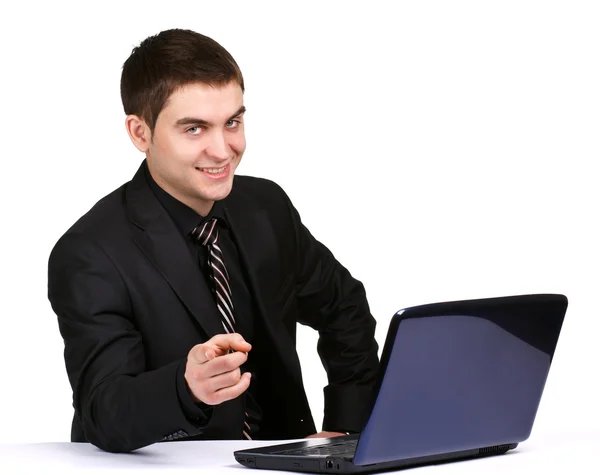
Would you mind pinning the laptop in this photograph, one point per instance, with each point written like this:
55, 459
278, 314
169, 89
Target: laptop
457, 380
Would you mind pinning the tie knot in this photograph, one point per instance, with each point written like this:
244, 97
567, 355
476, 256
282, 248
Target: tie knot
206, 233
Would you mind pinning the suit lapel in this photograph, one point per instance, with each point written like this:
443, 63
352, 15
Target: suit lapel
256, 243
163, 245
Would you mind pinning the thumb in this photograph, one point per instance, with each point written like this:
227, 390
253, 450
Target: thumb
230, 341
202, 353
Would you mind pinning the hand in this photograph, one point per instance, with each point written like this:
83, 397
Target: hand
325, 434
212, 371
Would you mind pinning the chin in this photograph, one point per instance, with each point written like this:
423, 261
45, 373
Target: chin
220, 194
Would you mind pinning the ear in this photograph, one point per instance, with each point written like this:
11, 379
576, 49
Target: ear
139, 132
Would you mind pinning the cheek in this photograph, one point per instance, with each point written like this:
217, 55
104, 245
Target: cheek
176, 149
238, 143
162, 146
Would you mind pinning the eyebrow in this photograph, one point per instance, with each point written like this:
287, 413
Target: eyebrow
198, 121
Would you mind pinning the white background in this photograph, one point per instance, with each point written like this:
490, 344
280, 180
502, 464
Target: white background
441, 150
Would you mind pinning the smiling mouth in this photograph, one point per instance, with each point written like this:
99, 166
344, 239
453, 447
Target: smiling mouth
213, 171
216, 174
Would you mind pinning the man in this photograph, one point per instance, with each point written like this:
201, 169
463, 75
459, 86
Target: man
178, 294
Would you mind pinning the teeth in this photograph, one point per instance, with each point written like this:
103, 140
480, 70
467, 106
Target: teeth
213, 170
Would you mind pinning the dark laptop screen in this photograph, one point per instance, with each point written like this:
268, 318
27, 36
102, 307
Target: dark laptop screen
457, 381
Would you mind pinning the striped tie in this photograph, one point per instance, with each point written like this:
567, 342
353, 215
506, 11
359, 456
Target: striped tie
207, 234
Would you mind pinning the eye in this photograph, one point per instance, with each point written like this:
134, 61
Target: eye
194, 130
232, 124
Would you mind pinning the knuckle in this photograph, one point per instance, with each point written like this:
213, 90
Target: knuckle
234, 376
236, 361
200, 393
208, 394
197, 348
207, 399
196, 374
228, 363
189, 375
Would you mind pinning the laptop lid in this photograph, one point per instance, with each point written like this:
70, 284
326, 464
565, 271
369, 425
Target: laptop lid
461, 375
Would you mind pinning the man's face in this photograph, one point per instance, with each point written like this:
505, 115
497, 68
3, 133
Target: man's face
197, 144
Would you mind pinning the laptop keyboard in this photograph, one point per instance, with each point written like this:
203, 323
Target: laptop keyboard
344, 448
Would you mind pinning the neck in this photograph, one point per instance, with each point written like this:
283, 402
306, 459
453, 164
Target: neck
200, 206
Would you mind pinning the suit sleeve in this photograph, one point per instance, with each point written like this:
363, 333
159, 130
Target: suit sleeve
334, 303
121, 405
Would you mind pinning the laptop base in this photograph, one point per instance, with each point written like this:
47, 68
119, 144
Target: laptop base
271, 458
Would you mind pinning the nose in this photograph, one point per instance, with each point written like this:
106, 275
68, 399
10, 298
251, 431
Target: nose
218, 148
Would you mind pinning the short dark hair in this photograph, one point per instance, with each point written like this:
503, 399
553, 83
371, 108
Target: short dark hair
170, 60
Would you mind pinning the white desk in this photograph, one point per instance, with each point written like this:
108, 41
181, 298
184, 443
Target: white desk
547, 453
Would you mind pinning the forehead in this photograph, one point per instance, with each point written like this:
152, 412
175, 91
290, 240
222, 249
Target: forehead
211, 103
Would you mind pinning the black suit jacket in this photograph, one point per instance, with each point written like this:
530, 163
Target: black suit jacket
131, 302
